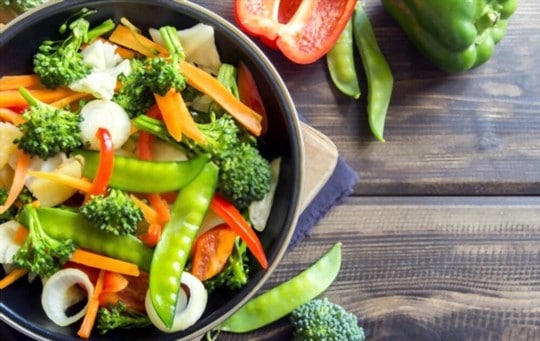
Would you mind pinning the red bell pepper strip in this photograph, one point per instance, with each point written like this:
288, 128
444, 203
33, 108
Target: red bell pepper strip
106, 160
230, 214
304, 31
211, 251
250, 95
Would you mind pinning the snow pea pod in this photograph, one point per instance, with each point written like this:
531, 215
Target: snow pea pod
341, 66
141, 176
284, 298
64, 224
380, 80
172, 251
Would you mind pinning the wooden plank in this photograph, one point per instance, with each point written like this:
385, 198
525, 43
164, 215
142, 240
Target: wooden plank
423, 270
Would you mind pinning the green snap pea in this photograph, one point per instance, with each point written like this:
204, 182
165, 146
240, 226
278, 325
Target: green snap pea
380, 80
284, 298
172, 251
135, 175
341, 66
64, 224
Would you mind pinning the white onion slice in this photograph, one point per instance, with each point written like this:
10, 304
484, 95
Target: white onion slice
61, 291
189, 307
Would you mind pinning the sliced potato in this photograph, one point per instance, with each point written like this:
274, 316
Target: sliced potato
50, 193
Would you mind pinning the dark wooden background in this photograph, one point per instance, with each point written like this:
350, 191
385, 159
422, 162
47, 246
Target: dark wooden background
441, 237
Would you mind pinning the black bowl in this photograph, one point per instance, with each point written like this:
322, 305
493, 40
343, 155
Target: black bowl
20, 303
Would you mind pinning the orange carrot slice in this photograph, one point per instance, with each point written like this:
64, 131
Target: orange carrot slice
125, 37
21, 170
13, 82
96, 260
93, 305
11, 277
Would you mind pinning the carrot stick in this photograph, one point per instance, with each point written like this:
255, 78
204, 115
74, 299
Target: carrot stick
20, 235
150, 215
208, 84
160, 206
96, 260
81, 184
170, 110
13, 82
13, 98
21, 170
93, 305
11, 277
189, 128
125, 37
62, 102
8, 115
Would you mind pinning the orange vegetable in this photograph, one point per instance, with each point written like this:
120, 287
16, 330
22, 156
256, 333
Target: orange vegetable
149, 214
126, 37
20, 235
81, 184
13, 82
11, 277
21, 170
208, 84
63, 102
96, 260
13, 98
211, 251
93, 305
170, 109
8, 115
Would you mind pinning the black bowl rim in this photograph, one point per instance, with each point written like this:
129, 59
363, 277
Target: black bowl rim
51, 7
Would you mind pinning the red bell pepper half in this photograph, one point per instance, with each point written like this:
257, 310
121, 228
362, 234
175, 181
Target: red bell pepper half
106, 160
303, 31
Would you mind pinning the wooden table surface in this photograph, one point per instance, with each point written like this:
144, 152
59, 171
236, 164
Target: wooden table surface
441, 236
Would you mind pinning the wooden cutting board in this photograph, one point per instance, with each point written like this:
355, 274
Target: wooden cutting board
321, 157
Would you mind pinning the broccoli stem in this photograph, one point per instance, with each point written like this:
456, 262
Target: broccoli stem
172, 44
31, 100
100, 30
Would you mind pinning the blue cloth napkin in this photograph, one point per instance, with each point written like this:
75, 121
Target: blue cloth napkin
339, 185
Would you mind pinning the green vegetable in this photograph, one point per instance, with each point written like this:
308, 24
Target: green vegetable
42, 253
454, 35
25, 197
119, 316
244, 173
321, 319
114, 213
135, 175
172, 251
135, 95
380, 80
20, 6
151, 76
235, 274
283, 299
340, 61
227, 76
63, 224
47, 130
60, 62
164, 74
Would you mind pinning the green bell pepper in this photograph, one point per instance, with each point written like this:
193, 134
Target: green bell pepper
455, 35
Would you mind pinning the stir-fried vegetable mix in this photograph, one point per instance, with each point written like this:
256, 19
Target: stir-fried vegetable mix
129, 168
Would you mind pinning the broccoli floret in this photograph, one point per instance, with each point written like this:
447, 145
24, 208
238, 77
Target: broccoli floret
236, 272
40, 253
244, 174
115, 212
321, 319
135, 96
119, 316
156, 75
20, 6
60, 62
47, 130
25, 197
